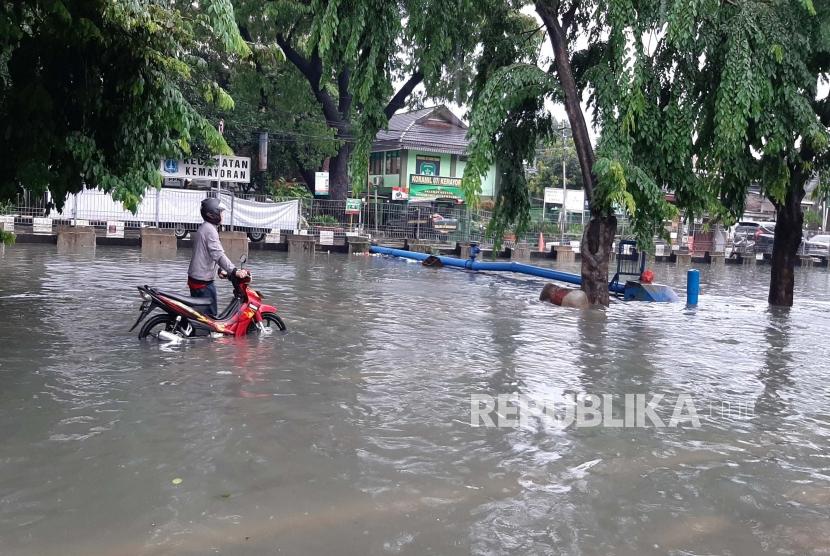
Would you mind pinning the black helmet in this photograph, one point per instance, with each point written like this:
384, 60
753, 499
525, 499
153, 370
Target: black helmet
212, 210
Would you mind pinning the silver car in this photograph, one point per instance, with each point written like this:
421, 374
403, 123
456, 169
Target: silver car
817, 246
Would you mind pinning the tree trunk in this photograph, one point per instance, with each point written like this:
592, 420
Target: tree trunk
598, 236
595, 250
788, 224
339, 173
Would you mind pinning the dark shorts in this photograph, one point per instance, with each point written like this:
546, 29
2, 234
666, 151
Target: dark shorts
209, 291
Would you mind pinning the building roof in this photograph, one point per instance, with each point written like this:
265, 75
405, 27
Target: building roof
434, 129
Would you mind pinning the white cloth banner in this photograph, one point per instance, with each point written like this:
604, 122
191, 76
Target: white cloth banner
179, 206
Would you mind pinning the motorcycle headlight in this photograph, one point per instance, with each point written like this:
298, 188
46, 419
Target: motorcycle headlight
145, 296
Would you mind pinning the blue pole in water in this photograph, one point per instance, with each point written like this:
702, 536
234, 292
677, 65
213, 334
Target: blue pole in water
692, 286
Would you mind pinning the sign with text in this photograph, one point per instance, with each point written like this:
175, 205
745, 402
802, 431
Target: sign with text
353, 206
428, 165
115, 229
235, 169
41, 225
575, 199
326, 237
435, 187
321, 183
7, 223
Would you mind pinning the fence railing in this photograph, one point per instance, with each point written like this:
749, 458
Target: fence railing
259, 214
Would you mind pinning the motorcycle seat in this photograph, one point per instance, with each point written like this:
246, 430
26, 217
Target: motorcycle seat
195, 302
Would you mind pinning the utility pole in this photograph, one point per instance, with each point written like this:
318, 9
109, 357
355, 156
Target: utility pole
564, 213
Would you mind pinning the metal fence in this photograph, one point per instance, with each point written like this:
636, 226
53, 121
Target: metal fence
258, 214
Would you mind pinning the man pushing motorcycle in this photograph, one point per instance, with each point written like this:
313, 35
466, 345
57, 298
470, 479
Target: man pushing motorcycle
208, 254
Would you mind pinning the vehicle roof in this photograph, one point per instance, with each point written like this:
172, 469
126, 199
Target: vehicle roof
755, 223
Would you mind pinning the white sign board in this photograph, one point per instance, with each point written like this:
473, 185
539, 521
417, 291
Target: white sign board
235, 169
575, 199
321, 183
78, 222
115, 229
326, 237
273, 237
41, 225
7, 223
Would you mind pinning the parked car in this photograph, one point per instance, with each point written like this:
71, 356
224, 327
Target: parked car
817, 246
434, 220
753, 237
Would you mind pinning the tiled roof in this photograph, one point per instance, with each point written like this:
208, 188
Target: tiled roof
431, 129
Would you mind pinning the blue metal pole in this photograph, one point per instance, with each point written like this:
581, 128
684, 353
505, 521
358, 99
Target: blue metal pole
692, 286
471, 264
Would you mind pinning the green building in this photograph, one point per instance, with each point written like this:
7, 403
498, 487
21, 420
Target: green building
421, 157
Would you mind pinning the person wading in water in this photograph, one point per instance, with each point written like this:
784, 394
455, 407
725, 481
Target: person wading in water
208, 254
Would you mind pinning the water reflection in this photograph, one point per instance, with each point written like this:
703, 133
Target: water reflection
351, 434
776, 372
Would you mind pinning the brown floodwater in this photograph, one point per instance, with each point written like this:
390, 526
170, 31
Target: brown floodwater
351, 433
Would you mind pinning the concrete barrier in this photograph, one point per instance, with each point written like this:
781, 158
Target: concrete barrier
357, 244
301, 245
684, 259
76, 239
235, 244
158, 243
565, 254
521, 252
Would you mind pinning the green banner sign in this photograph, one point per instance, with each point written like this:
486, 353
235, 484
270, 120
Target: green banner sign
434, 187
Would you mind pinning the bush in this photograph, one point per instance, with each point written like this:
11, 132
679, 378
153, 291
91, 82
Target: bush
292, 190
325, 220
6, 238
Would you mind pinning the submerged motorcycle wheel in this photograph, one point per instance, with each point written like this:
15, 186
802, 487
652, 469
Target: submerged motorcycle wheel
271, 321
156, 324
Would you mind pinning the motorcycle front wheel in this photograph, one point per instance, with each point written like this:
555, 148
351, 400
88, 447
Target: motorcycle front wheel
156, 324
271, 321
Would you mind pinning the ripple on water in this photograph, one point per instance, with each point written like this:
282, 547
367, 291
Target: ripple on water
352, 433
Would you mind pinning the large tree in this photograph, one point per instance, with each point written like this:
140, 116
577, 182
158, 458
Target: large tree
270, 96
352, 54
760, 120
599, 49
90, 91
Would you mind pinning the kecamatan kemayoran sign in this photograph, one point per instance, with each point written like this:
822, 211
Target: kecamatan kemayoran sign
223, 168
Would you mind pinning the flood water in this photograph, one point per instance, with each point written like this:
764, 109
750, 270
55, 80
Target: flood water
351, 433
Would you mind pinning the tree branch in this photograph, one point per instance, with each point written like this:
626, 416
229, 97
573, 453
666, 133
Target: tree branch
312, 70
399, 100
345, 97
569, 15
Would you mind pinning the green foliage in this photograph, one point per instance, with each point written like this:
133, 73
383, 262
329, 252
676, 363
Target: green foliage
630, 170
547, 171
91, 91
352, 53
325, 220
765, 124
507, 123
282, 189
812, 219
7, 238
268, 95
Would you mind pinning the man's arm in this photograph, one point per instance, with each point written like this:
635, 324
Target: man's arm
216, 252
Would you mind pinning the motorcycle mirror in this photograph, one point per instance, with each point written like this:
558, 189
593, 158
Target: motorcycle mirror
242, 260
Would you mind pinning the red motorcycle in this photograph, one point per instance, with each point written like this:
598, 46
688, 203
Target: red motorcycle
184, 317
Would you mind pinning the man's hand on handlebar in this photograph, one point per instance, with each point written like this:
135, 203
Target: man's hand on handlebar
241, 273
